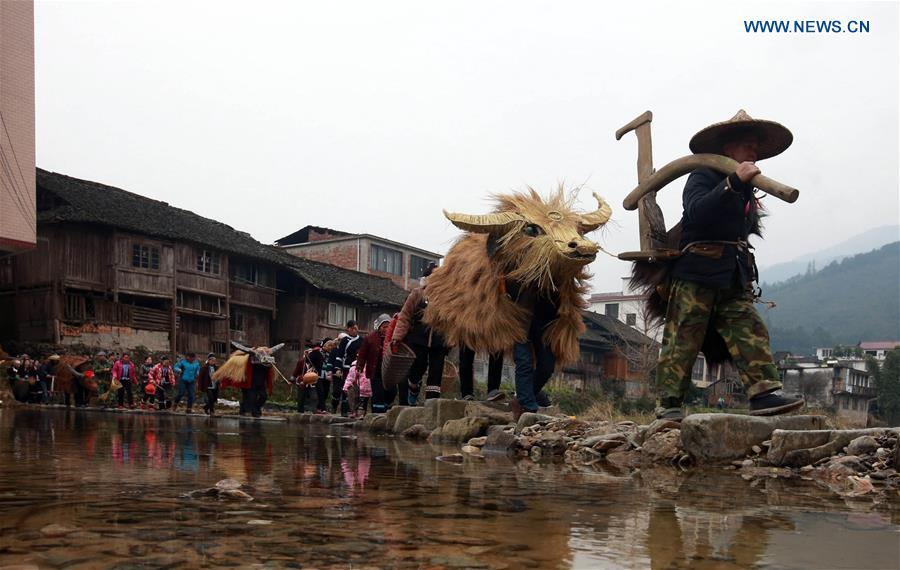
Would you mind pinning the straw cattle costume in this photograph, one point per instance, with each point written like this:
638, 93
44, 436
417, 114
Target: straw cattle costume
516, 280
708, 296
252, 371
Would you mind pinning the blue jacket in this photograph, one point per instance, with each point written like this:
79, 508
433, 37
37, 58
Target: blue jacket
189, 370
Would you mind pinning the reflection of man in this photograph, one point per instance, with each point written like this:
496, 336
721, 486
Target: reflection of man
711, 292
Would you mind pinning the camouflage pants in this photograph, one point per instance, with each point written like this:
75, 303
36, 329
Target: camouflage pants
692, 308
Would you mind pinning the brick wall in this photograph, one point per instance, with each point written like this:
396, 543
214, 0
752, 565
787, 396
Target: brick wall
17, 194
342, 254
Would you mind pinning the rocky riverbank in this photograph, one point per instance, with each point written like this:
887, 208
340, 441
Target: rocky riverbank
851, 463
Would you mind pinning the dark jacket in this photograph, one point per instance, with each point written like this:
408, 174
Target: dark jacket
368, 359
205, 380
716, 209
543, 306
349, 347
410, 329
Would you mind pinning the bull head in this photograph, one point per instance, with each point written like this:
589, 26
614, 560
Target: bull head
260, 354
538, 240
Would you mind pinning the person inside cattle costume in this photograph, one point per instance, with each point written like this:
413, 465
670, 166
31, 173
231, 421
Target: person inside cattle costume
710, 292
253, 371
516, 282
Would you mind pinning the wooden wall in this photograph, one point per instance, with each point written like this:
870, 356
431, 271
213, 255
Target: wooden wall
191, 279
136, 280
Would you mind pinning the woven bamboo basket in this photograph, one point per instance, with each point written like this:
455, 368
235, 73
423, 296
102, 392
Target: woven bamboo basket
395, 365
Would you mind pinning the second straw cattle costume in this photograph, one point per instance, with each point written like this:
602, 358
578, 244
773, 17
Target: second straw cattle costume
710, 294
252, 370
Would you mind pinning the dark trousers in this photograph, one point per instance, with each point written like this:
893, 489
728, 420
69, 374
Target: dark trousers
212, 396
306, 394
185, 388
125, 390
254, 400
163, 397
381, 398
467, 372
432, 359
337, 396
323, 390
43, 391
535, 363
81, 395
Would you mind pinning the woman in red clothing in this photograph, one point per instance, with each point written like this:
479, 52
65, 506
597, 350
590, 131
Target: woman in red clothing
368, 360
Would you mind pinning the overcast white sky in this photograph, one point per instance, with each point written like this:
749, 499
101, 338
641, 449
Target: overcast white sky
372, 116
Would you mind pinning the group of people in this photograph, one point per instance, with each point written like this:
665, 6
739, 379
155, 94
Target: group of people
347, 370
159, 384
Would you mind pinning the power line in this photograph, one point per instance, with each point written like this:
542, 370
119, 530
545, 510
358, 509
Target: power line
15, 193
20, 196
16, 158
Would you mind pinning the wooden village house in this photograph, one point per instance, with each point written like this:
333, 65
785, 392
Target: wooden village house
114, 269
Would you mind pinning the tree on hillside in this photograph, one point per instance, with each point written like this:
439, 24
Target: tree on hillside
840, 351
887, 386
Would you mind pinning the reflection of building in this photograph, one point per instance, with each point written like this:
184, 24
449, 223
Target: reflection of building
401, 263
17, 208
118, 270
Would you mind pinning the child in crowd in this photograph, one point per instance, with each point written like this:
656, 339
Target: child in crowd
357, 390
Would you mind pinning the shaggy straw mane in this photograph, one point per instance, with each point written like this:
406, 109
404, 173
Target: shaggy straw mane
467, 301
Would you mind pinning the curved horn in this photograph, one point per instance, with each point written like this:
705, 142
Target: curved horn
592, 221
241, 347
497, 223
679, 167
276, 348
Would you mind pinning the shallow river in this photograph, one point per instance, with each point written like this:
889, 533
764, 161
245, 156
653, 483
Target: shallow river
332, 498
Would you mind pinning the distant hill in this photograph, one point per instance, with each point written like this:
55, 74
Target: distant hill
866, 241
845, 302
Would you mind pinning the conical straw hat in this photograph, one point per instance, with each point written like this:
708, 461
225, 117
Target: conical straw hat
774, 138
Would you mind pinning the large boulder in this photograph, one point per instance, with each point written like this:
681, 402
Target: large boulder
417, 431
529, 419
463, 429
662, 446
374, 423
500, 438
444, 409
722, 437
494, 415
410, 416
391, 416
798, 448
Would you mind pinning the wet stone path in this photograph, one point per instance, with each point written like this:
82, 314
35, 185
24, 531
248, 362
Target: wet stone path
81, 490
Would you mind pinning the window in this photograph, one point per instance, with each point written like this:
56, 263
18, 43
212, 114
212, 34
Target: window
845, 403
386, 260
236, 320
612, 310
208, 262
631, 319
246, 272
338, 315
418, 265
144, 256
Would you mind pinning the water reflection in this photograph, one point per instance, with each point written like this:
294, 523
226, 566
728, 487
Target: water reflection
339, 499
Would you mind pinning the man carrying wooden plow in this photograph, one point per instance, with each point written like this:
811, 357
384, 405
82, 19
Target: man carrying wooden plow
700, 274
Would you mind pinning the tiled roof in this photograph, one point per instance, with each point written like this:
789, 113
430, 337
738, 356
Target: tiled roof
66, 199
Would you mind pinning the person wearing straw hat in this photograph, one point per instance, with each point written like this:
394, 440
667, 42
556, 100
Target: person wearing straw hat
711, 291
